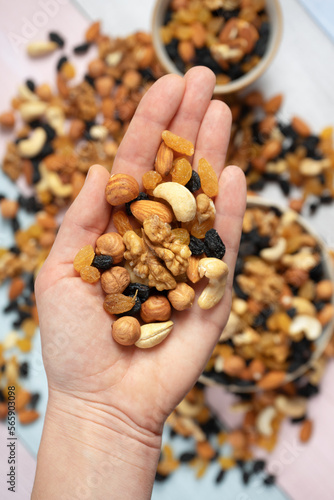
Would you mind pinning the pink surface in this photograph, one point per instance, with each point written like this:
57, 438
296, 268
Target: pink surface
305, 472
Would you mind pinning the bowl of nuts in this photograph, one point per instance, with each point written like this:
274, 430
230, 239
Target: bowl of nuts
282, 308
236, 39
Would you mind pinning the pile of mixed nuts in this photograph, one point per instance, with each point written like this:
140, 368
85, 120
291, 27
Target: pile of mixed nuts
162, 254
228, 36
83, 124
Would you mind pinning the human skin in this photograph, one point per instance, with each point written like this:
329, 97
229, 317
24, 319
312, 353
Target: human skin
108, 403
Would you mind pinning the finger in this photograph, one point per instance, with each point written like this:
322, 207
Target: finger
139, 146
85, 220
200, 82
199, 329
214, 136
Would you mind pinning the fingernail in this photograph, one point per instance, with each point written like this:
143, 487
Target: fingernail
88, 174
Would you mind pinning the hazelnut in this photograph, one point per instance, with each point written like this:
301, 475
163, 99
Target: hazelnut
111, 244
233, 365
155, 308
96, 68
9, 208
115, 280
104, 85
126, 330
324, 290
121, 188
182, 297
7, 119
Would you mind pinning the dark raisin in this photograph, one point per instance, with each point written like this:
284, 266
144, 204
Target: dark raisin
284, 185
2, 397
269, 480
61, 62
160, 477
102, 262
258, 466
31, 85
187, 456
246, 477
326, 198
308, 390
220, 476
147, 74
240, 463
214, 247
317, 272
196, 246
235, 71
143, 291
15, 224
82, 48
15, 249
24, 369
291, 312
195, 183
298, 420
55, 37
141, 196
90, 80
258, 185
12, 306
34, 400
239, 293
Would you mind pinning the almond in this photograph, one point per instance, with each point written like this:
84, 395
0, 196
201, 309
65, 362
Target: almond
144, 208
27, 416
7, 119
273, 105
272, 380
9, 208
77, 128
205, 450
192, 269
93, 32
306, 431
16, 288
271, 149
121, 188
300, 127
186, 50
164, 160
22, 399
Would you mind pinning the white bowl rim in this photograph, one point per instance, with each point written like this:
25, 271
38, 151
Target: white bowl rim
245, 80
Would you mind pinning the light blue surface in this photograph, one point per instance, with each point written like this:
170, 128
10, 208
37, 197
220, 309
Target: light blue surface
322, 11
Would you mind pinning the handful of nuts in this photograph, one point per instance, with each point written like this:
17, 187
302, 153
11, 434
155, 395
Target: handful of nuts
165, 240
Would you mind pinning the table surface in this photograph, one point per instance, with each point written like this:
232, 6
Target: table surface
302, 71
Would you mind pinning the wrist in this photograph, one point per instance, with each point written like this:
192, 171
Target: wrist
94, 451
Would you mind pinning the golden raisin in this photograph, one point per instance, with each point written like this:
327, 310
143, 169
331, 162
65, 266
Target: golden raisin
121, 222
83, 258
199, 229
90, 274
209, 179
181, 171
181, 235
117, 303
151, 179
177, 143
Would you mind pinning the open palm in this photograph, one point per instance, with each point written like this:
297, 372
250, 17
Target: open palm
81, 358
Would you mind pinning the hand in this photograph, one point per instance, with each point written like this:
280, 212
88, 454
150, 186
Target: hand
126, 389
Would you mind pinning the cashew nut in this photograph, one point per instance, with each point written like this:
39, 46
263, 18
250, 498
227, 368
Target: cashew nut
273, 254
248, 336
239, 306
216, 271
310, 167
55, 117
99, 132
41, 48
180, 199
291, 407
233, 325
113, 58
26, 94
32, 110
264, 421
302, 260
153, 334
187, 409
51, 180
33, 145
277, 167
303, 306
311, 327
